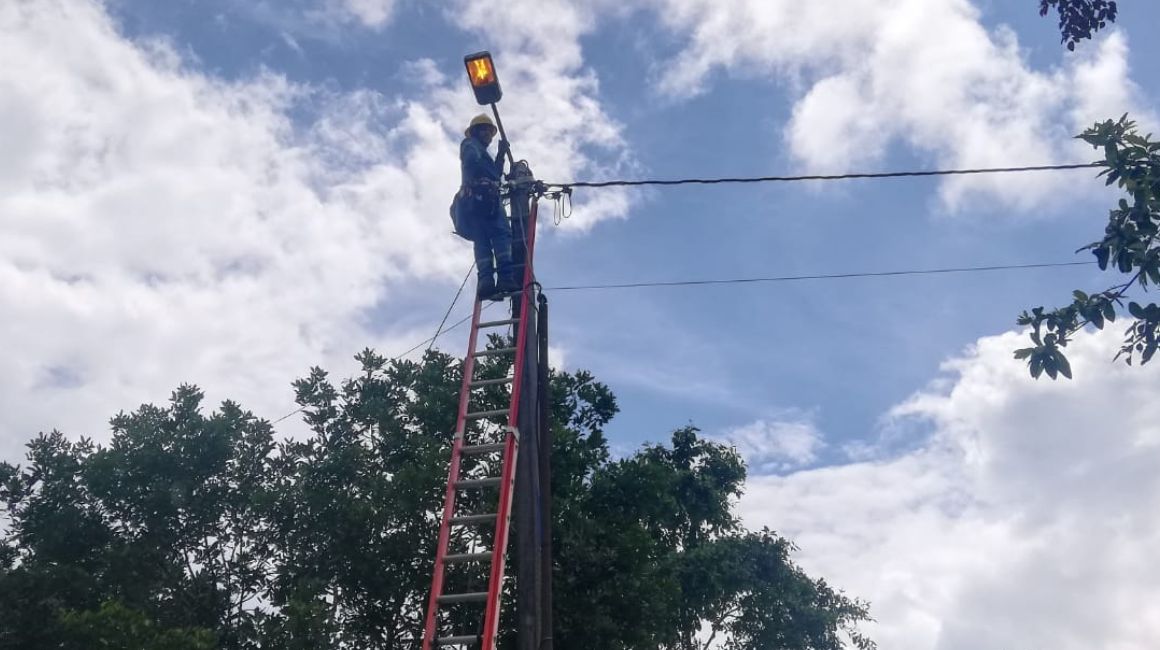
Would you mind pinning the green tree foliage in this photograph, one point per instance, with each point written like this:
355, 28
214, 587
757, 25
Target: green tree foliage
190, 531
1079, 19
1129, 246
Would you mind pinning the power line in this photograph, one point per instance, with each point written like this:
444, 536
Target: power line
825, 177
781, 278
828, 276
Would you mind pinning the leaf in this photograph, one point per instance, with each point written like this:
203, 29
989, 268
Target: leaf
1101, 257
1135, 310
1023, 353
1109, 312
1064, 364
1036, 367
1149, 350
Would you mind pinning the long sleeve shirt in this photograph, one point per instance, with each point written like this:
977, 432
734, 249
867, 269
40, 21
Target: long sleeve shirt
475, 164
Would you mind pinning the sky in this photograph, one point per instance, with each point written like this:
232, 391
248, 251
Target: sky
228, 192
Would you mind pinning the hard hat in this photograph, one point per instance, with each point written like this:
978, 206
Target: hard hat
482, 118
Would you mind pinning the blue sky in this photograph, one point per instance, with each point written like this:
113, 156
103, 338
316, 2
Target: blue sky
226, 193
843, 351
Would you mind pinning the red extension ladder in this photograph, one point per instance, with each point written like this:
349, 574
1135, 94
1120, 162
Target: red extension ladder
463, 445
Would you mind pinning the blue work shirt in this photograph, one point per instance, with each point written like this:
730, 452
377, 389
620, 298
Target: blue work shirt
475, 164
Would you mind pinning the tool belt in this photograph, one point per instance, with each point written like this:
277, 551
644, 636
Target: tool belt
469, 201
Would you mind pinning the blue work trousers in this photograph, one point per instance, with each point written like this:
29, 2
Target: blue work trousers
493, 240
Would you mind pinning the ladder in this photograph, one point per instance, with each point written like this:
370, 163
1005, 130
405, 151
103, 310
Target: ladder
464, 445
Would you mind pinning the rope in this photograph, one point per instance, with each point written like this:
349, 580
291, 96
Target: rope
439, 330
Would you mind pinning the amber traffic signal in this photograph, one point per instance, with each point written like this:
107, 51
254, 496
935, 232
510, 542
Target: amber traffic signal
481, 73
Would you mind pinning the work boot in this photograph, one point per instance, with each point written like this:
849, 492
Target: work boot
485, 288
507, 284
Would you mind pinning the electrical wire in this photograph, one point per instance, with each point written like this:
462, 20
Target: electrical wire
689, 283
823, 177
829, 276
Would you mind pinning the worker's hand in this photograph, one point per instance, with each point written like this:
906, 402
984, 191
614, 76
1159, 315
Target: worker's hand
504, 147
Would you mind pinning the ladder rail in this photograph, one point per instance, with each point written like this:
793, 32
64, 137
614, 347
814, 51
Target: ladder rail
429, 626
511, 450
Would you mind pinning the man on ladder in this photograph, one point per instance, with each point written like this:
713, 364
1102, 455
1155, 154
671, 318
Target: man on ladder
482, 210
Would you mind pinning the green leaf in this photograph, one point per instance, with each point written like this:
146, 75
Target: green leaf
1135, 310
1064, 364
1036, 367
1109, 312
1101, 254
1023, 353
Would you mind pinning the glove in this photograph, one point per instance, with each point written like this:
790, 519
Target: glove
504, 147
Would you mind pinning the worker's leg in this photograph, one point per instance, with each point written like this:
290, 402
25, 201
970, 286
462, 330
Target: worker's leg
501, 245
484, 266
484, 263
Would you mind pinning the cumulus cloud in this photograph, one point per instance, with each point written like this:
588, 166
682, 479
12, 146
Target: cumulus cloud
924, 73
372, 13
1026, 519
771, 446
162, 225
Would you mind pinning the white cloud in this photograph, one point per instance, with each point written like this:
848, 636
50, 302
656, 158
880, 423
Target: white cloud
924, 73
372, 13
558, 357
162, 226
776, 445
1026, 520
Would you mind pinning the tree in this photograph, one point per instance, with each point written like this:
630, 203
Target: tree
190, 531
1079, 19
162, 529
1129, 246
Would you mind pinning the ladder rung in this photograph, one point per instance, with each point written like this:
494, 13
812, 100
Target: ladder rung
453, 558
482, 449
486, 414
478, 482
466, 520
464, 639
499, 323
472, 597
491, 382
494, 352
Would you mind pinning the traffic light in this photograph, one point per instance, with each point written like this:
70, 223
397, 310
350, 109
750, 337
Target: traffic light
481, 73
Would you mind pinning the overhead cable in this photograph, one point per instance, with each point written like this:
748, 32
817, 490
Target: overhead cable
823, 177
827, 276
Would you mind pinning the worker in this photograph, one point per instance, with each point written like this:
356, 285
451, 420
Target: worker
483, 210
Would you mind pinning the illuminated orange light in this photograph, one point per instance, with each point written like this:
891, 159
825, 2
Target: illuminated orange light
482, 72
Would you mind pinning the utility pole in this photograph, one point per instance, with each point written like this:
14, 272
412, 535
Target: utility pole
528, 525
545, 492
